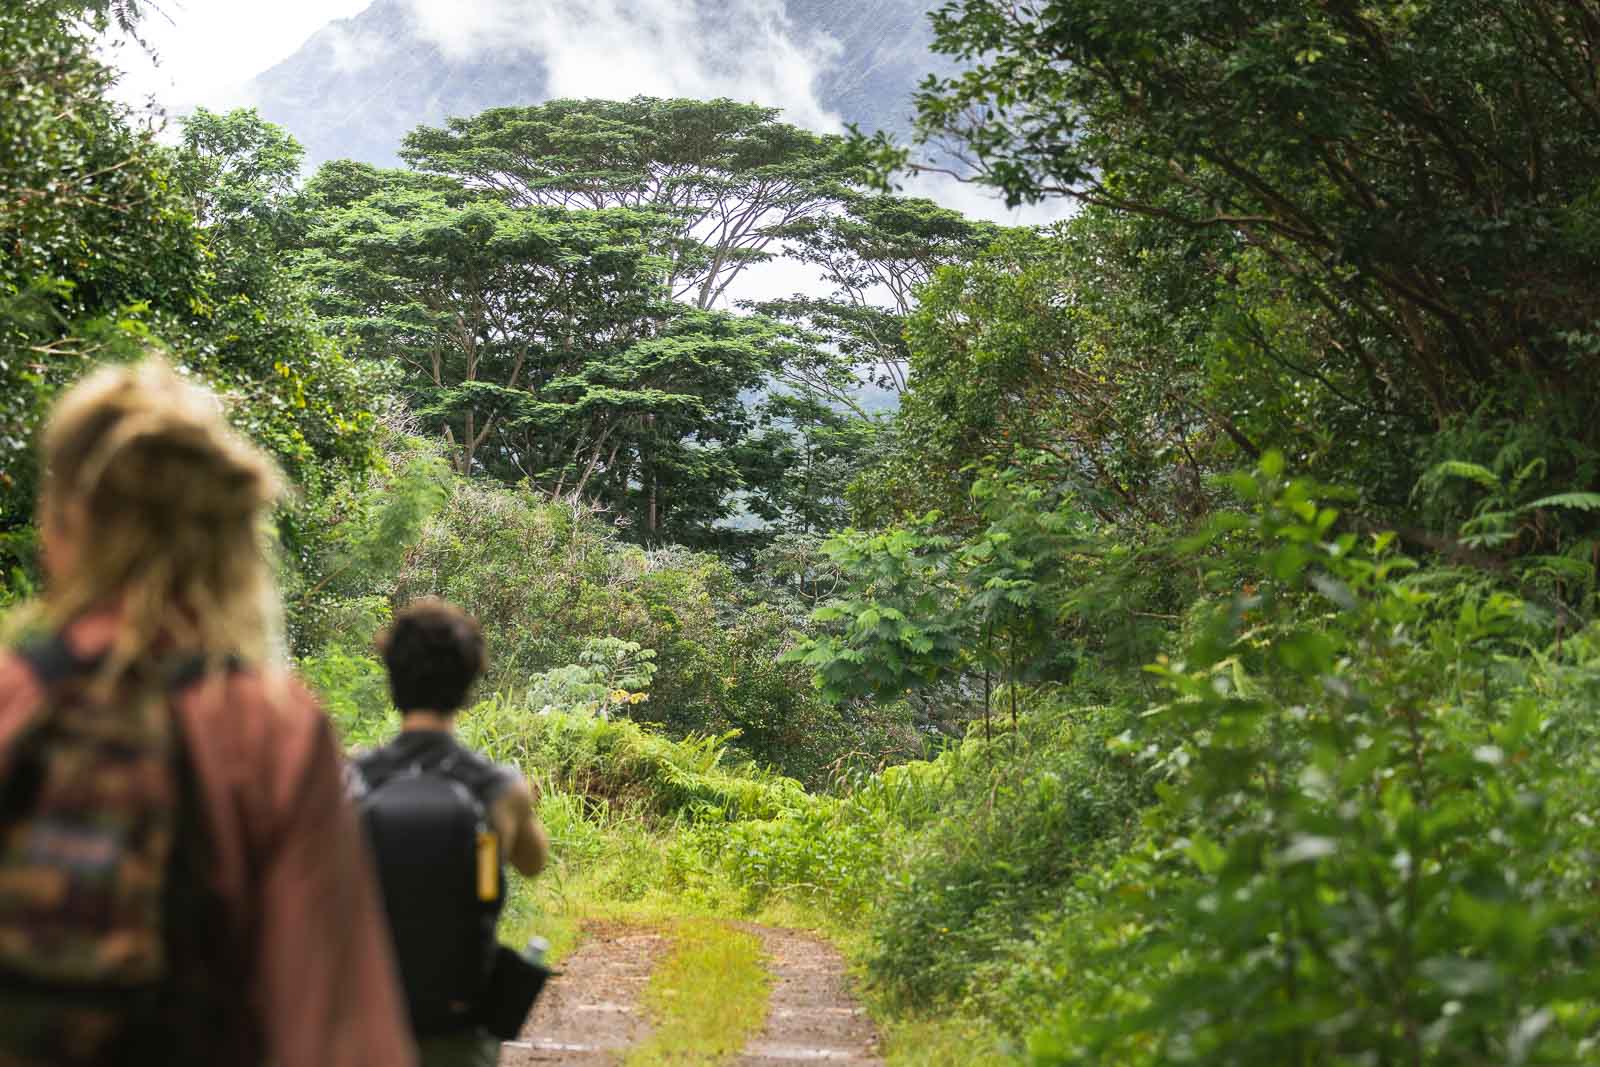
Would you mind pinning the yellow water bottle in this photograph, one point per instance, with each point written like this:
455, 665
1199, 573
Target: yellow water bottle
488, 866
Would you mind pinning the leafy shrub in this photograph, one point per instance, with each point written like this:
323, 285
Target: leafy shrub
547, 580
573, 617
1013, 828
622, 762
1360, 854
354, 688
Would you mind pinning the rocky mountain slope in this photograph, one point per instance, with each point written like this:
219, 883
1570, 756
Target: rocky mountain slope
360, 84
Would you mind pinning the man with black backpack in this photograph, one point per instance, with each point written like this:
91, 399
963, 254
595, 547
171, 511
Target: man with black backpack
443, 821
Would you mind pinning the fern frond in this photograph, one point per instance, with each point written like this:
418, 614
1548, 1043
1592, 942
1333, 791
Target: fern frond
1537, 468
1491, 529
1563, 568
1456, 468
1576, 501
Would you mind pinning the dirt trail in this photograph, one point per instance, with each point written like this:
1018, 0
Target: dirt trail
813, 1017
590, 1015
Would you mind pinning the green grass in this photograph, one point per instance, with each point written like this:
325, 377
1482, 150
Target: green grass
707, 999
952, 1042
527, 915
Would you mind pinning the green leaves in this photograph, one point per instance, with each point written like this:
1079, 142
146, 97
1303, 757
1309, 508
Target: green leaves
898, 628
1576, 501
107, 259
542, 345
919, 608
1472, 472
1368, 846
729, 176
1350, 312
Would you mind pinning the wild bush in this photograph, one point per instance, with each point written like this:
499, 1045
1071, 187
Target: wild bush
570, 610
1362, 853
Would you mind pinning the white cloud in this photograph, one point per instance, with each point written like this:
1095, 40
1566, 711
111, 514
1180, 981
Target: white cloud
352, 49
208, 50
614, 49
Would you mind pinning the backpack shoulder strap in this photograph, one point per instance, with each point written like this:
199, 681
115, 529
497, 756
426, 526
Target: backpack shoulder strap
186, 672
482, 778
52, 661
365, 771
370, 769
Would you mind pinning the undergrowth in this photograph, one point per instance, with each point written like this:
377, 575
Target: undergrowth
1391, 776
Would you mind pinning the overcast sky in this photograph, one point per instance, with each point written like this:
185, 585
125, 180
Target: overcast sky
209, 49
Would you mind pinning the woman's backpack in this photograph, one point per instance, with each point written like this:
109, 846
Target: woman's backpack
98, 830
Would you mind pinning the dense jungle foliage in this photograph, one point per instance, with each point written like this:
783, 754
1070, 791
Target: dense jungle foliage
1197, 662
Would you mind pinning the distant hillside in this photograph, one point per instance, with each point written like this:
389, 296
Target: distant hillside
360, 84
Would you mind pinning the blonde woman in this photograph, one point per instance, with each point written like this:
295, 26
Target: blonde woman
181, 880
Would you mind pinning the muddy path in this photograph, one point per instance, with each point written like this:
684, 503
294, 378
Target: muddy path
590, 1014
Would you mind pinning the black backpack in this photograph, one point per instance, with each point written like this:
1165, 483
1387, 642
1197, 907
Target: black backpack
443, 884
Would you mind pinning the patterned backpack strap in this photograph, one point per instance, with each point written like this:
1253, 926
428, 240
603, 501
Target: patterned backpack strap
191, 669
52, 661
209, 965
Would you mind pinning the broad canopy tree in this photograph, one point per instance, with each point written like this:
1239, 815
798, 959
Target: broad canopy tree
543, 342
877, 252
729, 175
547, 278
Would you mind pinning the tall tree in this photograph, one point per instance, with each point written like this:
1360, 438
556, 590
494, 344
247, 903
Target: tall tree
92, 235
105, 258
1078, 355
876, 252
473, 295
297, 389
239, 171
730, 175
543, 343
1417, 179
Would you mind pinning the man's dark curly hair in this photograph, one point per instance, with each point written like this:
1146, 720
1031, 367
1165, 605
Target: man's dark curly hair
434, 652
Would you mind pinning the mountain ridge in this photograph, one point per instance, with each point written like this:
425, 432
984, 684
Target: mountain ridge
358, 85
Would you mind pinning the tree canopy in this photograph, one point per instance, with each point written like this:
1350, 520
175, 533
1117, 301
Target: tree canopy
109, 259
1419, 174
730, 175
544, 343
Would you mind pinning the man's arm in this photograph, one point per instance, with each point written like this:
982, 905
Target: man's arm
526, 846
